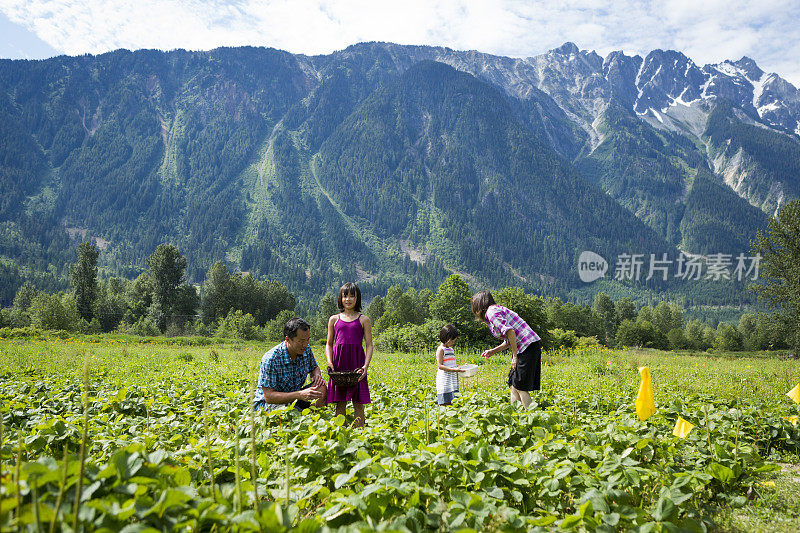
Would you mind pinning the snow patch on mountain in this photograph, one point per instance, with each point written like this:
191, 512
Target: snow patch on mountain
758, 87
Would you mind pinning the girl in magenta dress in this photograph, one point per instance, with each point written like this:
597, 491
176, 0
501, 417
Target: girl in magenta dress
349, 333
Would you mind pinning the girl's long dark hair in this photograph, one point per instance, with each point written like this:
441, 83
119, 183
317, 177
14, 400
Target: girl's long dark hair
348, 289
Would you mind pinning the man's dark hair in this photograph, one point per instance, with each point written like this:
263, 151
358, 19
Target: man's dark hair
350, 289
291, 327
481, 302
447, 333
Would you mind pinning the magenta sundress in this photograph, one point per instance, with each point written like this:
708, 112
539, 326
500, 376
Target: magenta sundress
348, 354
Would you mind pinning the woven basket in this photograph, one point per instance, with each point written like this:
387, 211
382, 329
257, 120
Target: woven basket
347, 378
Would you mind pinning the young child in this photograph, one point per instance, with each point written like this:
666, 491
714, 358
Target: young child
447, 375
347, 331
525, 344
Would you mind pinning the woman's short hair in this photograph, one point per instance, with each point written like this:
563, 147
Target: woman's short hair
350, 288
448, 332
481, 302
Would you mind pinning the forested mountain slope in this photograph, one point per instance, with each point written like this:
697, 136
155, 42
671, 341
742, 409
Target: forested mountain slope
380, 163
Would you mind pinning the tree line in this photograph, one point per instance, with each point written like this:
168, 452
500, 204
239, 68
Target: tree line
158, 301
236, 305
161, 301
409, 320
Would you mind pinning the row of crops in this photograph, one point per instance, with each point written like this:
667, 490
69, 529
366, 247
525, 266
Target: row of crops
187, 455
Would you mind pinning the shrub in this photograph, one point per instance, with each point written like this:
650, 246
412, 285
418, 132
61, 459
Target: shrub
20, 333
588, 341
273, 329
641, 333
145, 328
205, 330
18, 318
560, 338
677, 340
238, 325
394, 339
88, 328
411, 337
727, 339
695, 335
426, 335
49, 312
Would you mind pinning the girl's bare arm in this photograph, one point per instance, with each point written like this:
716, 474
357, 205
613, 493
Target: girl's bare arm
367, 325
329, 340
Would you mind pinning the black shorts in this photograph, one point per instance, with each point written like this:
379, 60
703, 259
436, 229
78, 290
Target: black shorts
527, 375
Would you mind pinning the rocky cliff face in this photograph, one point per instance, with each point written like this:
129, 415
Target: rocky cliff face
665, 89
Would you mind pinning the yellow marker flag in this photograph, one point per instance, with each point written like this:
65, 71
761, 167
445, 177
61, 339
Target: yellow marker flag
645, 406
682, 428
794, 394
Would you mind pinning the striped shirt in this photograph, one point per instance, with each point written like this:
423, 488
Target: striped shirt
447, 381
279, 373
502, 319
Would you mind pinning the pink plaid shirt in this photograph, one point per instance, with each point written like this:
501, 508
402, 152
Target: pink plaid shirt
502, 319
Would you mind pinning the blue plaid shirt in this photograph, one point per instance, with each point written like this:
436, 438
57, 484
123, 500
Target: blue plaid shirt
278, 372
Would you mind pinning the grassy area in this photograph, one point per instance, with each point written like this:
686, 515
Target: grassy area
130, 359
189, 402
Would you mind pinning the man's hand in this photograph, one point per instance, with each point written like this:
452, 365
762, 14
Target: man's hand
316, 379
486, 354
311, 394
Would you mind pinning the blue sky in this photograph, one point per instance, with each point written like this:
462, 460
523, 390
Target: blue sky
708, 31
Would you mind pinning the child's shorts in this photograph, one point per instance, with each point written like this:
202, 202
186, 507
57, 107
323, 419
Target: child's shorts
445, 398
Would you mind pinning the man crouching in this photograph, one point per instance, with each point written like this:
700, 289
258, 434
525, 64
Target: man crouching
284, 369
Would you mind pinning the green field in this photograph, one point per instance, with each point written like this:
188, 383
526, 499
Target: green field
164, 417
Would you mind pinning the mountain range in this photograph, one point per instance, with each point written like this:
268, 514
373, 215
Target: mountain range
391, 164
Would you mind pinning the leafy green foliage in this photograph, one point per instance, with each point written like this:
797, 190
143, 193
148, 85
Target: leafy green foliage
641, 333
223, 292
83, 277
780, 275
728, 338
580, 319
605, 310
452, 304
171, 446
51, 311
25, 296
237, 325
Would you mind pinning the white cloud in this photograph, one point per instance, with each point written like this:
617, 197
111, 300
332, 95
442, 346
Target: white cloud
708, 31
